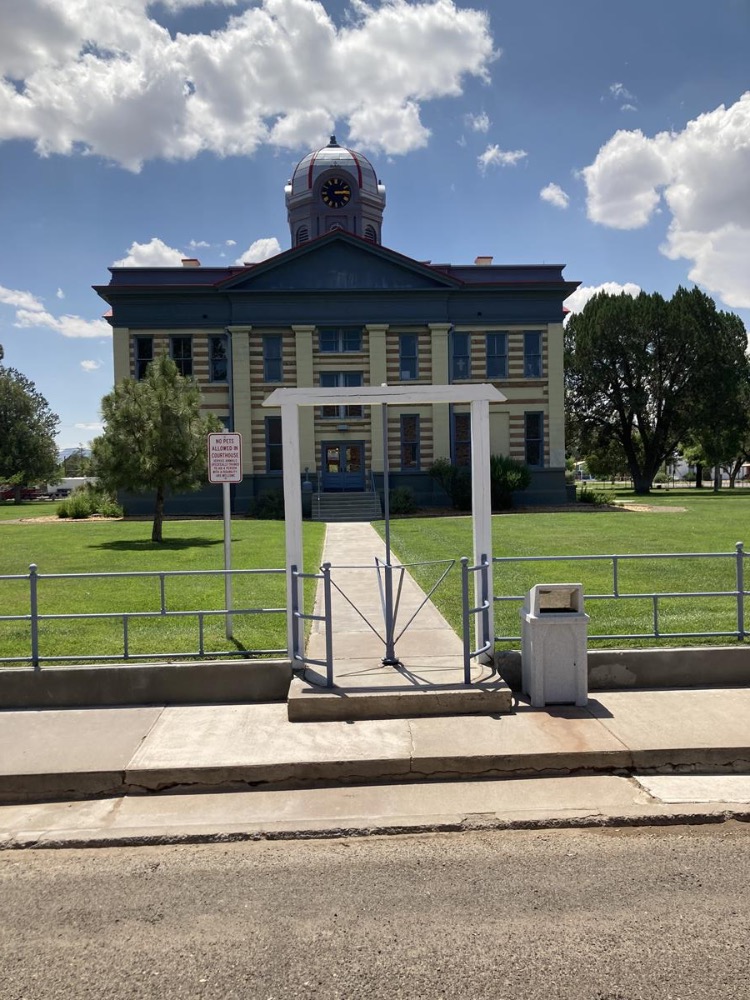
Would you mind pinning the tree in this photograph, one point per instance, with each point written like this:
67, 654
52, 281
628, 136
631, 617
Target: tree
28, 453
650, 373
154, 437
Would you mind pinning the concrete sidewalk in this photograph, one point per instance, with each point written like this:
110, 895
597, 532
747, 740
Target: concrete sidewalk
78, 753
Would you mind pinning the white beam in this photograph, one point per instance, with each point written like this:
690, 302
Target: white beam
292, 518
481, 509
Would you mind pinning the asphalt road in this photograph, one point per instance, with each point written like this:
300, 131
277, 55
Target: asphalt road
591, 915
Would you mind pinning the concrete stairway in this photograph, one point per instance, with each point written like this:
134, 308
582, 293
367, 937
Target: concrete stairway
346, 507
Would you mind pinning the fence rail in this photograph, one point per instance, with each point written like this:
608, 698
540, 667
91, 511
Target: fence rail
34, 618
736, 593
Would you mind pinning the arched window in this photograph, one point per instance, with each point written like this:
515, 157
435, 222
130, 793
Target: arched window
302, 235
370, 235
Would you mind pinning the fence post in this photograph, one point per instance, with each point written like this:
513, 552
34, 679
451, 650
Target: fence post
739, 549
295, 609
328, 623
466, 618
34, 609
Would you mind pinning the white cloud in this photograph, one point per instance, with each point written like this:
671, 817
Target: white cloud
97, 426
155, 253
619, 92
555, 195
702, 176
60, 294
79, 80
260, 250
230, 243
30, 312
197, 244
91, 366
478, 123
493, 156
575, 302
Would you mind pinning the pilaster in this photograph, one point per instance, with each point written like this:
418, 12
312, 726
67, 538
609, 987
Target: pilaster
303, 345
241, 395
439, 338
378, 374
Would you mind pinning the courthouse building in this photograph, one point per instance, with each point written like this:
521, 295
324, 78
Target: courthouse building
341, 309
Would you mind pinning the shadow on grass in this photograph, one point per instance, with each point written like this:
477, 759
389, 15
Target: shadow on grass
146, 545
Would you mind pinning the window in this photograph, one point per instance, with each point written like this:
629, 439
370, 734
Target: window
462, 439
460, 360
340, 339
497, 355
532, 354
370, 234
339, 380
144, 355
274, 449
272, 363
303, 235
533, 437
181, 350
218, 365
408, 362
410, 441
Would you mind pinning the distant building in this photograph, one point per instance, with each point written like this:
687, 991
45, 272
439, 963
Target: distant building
341, 309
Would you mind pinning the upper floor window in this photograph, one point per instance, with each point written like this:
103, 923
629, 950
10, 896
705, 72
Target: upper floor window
533, 436
408, 361
340, 339
532, 354
303, 235
371, 234
460, 358
218, 361
181, 351
410, 441
497, 355
143, 351
339, 380
272, 359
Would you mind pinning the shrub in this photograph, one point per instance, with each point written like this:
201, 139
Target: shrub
661, 477
596, 497
401, 501
507, 475
88, 500
268, 506
456, 482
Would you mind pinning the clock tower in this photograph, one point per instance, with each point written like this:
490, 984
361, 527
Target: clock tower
334, 188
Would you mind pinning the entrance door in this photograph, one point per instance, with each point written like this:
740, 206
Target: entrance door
343, 465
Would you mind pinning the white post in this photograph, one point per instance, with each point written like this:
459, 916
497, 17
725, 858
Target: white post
292, 517
227, 558
482, 509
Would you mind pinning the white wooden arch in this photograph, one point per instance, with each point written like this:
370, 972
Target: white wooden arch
479, 396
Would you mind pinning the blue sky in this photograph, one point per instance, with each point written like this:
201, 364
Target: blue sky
613, 138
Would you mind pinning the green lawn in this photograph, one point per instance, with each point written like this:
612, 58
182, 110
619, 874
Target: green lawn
686, 520
10, 511
124, 546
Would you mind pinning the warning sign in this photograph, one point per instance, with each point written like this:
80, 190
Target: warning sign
225, 458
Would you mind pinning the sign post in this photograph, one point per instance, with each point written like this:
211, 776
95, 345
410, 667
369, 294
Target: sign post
225, 467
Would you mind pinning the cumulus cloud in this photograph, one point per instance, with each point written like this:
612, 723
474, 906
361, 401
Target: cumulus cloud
493, 156
78, 80
155, 253
30, 312
60, 293
575, 302
701, 175
260, 250
555, 195
91, 366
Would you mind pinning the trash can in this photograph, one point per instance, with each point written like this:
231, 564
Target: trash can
554, 630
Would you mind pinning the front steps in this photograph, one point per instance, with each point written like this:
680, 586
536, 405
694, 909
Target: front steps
346, 507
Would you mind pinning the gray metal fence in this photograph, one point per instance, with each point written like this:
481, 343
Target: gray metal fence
36, 618
736, 593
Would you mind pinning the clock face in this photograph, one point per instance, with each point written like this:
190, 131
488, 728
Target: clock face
335, 192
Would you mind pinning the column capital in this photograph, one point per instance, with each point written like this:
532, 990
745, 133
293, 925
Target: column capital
297, 328
239, 329
377, 327
440, 328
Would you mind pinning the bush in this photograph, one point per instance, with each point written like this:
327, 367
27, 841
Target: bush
88, 500
456, 482
268, 506
507, 475
401, 501
661, 477
596, 497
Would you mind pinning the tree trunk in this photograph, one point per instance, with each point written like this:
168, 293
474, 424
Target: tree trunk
156, 535
17, 494
717, 478
699, 476
642, 484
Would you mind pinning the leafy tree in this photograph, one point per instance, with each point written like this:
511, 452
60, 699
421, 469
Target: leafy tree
650, 372
606, 457
154, 437
507, 475
28, 453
